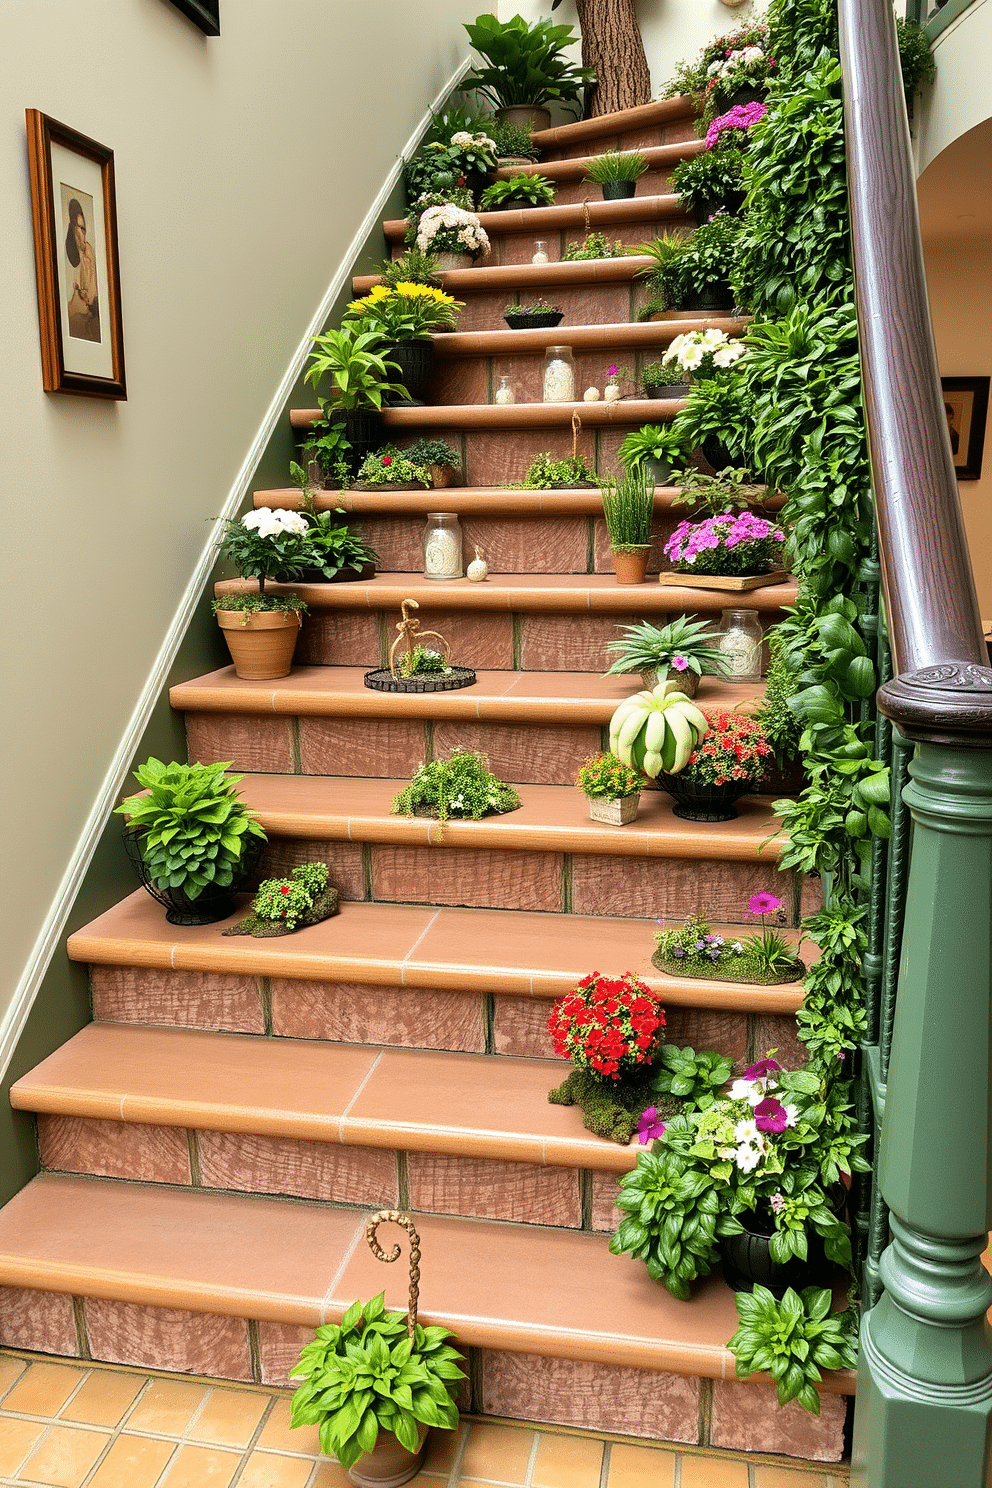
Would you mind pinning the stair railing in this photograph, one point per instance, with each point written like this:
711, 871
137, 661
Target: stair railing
924, 1401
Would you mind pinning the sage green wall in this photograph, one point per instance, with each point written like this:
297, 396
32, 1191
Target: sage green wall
245, 166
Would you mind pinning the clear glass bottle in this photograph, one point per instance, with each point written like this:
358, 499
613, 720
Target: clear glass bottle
442, 546
559, 375
540, 254
740, 641
504, 393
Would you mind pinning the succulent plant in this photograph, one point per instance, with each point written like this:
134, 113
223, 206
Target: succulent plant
657, 731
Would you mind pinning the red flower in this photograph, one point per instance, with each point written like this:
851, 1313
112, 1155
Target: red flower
284, 890
387, 459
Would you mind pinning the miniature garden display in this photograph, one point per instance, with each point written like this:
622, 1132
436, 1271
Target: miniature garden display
390, 466
547, 473
766, 959
735, 550
523, 190
657, 730
436, 457
725, 763
628, 504
679, 653
613, 789
533, 317
461, 786
282, 905
616, 173
261, 629
334, 553
415, 665
191, 838
659, 380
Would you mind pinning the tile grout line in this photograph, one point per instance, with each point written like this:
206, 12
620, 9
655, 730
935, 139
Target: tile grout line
368, 1075
352, 1247
532, 1460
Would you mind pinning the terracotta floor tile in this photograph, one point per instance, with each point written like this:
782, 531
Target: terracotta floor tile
43, 1390
103, 1398
64, 1457
133, 1462
16, 1440
167, 1406
331, 1475
278, 1435
229, 1418
567, 1462
443, 1448
640, 1467
201, 1467
714, 1472
787, 1477
10, 1371
271, 1470
500, 1454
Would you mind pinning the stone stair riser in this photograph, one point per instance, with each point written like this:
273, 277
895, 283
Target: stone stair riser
672, 133
475, 379
465, 1022
514, 244
594, 1397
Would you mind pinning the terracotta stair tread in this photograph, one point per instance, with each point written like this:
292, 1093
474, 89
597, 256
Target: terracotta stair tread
518, 953
503, 1286
629, 334
553, 818
623, 121
658, 157
522, 697
476, 501
490, 278
357, 1095
603, 215
507, 417
546, 593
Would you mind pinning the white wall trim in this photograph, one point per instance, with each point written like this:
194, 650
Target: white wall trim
16, 1015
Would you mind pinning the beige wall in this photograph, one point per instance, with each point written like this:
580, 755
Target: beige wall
961, 97
245, 166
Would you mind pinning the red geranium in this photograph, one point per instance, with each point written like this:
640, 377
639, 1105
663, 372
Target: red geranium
608, 1024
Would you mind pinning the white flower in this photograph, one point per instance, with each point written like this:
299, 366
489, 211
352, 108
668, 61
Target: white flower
737, 948
728, 355
751, 56
791, 1115
713, 338
269, 523
462, 138
714, 67
749, 1090
747, 1131
747, 1158
690, 357
676, 347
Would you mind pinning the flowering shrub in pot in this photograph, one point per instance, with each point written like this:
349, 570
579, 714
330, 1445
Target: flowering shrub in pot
463, 160
406, 315
726, 763
261, 629
734, 543
613, 789
445, 229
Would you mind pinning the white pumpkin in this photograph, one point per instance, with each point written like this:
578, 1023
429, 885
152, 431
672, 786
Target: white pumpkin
478, 569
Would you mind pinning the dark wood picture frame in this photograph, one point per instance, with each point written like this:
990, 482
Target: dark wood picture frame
968, 400
49, 249
203, 13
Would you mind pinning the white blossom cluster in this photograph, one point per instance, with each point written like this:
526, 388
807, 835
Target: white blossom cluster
749, 56
687, 352
467, 228
464, 140
269, 523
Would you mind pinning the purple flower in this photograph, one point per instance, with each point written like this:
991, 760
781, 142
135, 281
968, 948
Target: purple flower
761, 1069
679, 951
770, 1115
700, 945
762, 904
777, 1202
649, 1126
714, 953
680, 663
612, 371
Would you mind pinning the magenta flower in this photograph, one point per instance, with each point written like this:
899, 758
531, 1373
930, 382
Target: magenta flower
649, 1126
612, 371
762, 904
770, 1115
761, 1069
680, 663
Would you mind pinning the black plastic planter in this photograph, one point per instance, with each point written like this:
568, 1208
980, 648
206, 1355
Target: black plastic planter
618, 190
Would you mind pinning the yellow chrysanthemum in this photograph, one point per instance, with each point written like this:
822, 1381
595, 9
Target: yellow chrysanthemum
424, 292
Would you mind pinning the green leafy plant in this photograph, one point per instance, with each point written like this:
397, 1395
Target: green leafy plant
288, 899
334, 548
693, 76
713, 178
694, 1078
252, 604
432, 452
915, 57
628, 505
603, 777
406, 312
625, 165
191, 823
526, 63
413, 267
793, 1340
391, 466
460, 786
420, 662
782, 728
683, 645
594, 245
546, 472
328, 444
656, 374
650, 442
510, 140
354, 360
267, 544
540, 307
700, 265
729, 490
365, 1376
527, 190
442, 164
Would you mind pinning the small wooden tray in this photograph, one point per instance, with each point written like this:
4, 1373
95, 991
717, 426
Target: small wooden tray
730, 583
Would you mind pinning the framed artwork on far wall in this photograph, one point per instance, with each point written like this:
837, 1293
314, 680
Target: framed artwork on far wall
966, 406
203, 13
74, 215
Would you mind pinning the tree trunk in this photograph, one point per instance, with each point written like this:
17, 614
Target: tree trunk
611, 43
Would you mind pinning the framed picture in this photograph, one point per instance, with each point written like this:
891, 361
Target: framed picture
203, 13
74, 212
966, 406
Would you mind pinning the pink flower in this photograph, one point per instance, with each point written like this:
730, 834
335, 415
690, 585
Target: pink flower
612, 371
762, 904
770, 1115
649, 1126
680, 663
762, 1069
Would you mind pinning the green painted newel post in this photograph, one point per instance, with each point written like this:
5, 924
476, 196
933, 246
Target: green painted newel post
924, 1401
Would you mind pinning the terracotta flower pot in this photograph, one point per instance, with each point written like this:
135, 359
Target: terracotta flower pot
261, 644
631, 567
388, 1464
442, 475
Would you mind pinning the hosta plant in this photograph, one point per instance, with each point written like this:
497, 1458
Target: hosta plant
656, 731
191, 823
793, 1340
695, 1078
365, 1375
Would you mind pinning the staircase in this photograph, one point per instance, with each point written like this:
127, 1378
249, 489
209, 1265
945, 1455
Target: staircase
212, 1143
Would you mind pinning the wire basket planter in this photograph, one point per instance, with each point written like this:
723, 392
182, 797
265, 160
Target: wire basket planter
209, 906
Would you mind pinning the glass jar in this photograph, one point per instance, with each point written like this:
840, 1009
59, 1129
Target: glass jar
442, 546
504, 393
740, 641
540, 254
559, 375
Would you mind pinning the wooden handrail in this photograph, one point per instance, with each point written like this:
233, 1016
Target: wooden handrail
943, 690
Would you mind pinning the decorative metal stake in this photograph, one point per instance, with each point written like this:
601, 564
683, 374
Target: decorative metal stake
393, 1216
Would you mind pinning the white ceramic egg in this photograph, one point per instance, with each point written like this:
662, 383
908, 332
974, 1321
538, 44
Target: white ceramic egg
591, 395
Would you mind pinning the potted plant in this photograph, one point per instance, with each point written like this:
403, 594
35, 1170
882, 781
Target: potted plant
694, 273
725, 763
521, 190
628, 504
355, 360
655, 448
693, 77
450, 233
464, 159
537, 317
698, 355
261, 629
594, 245
406, 316
656, 382
738, 78
191, 838
693, 950
680, 652
548, 474
334, 552
794, 1338
436, 457
526, 68
390, 466
514, 145
733, 551
617, 173
713, 180
657, 729
460, 786
612, 787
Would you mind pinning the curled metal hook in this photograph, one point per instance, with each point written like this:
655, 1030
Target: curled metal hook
393, 1216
